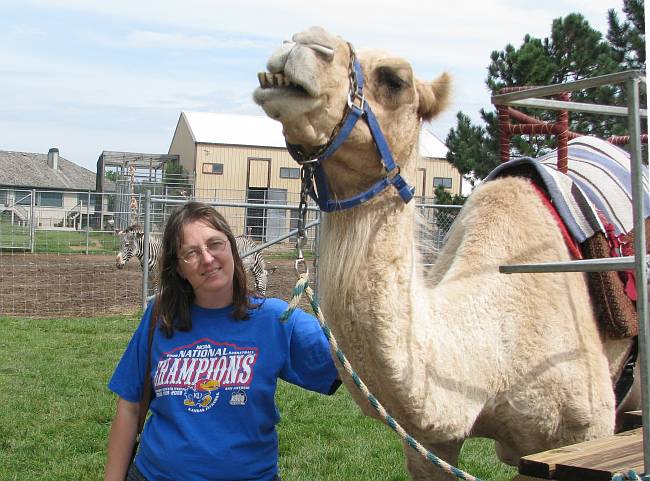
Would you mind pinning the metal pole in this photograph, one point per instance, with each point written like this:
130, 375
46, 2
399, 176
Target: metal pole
145, 248
638, 196
32, 221
316, 254
583, 265
88, 223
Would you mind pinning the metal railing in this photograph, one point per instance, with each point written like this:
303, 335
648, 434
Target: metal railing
633, 112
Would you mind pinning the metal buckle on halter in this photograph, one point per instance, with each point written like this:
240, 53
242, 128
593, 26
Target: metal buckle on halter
300, 158
393, 173
306, 161
352, 97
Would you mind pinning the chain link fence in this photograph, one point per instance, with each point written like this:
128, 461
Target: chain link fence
58, 248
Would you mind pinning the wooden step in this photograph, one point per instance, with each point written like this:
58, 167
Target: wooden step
595, 460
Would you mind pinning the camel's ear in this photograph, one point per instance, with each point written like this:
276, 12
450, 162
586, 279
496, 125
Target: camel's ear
434, 96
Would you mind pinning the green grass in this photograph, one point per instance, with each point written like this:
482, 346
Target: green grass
290, 254
62, 242
13, 235
68, 242
56, 413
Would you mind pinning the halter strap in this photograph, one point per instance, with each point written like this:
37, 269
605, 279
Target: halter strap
357, 108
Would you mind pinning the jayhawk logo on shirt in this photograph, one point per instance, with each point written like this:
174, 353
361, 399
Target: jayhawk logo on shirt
201, 394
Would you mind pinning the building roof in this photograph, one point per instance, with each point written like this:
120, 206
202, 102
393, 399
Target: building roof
233, 129
432, 146
30, 170
112, 158
260, 131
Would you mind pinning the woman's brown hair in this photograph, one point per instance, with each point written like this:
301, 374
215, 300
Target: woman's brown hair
174, 301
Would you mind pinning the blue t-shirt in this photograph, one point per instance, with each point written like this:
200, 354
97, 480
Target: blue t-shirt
213, 416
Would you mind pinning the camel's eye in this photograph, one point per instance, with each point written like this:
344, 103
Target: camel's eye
393, 84
389, 78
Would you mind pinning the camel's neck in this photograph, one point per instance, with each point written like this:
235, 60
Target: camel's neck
369, 269
368, 243
359, 241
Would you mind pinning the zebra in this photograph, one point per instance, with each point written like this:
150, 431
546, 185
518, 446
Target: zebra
132, 245
255, 262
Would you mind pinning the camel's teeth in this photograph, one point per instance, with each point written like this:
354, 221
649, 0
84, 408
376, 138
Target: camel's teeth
269, 80
261, 78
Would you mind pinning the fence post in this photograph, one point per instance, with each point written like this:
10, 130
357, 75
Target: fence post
32, 221
145, 245
88, 223
634, 126
316, 258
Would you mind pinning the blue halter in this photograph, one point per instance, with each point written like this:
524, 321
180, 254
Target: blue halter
314, 179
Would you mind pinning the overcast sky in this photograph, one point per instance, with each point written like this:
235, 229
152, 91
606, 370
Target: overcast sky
87, 76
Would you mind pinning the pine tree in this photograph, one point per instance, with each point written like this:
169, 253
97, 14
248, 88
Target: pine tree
573, 51
627, 39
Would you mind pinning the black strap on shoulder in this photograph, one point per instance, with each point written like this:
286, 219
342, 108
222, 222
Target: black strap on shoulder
147, 389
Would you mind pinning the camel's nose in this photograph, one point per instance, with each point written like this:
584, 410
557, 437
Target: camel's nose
317, 38
279, 58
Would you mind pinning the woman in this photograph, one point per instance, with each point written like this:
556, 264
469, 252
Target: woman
215, 359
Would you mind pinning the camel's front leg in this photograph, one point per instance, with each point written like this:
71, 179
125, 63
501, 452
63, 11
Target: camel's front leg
421, 469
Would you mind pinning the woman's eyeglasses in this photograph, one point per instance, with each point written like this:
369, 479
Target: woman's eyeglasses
193, 256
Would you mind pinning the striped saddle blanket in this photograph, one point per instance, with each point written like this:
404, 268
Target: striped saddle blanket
594, 200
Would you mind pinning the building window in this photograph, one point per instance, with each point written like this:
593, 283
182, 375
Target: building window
82, 197
23, 197
445, 182
213, 169
50, 199
289, 173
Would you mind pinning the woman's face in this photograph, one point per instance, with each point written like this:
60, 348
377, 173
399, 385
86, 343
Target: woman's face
206, 262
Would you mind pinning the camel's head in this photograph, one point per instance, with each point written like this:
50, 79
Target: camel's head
307, 88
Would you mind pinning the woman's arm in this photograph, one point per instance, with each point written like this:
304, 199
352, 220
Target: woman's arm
121, 440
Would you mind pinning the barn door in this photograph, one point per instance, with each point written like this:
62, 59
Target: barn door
259, 176
421, 183
277, 218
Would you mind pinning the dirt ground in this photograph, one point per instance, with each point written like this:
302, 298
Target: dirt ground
39, 285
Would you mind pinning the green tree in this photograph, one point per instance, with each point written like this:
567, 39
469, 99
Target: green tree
175, 178
111, 175
445, 217
443, 197
572, 51
472, 148
627, 39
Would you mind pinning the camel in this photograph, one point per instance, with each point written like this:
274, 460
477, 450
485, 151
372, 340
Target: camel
463, 350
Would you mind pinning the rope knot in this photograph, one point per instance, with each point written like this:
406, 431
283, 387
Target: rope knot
630, 475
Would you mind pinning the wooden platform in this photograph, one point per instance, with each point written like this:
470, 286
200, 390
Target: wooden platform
595, 460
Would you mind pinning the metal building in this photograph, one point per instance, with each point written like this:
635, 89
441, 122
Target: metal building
243, 158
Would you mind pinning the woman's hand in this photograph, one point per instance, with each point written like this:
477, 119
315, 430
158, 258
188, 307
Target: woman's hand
121, 440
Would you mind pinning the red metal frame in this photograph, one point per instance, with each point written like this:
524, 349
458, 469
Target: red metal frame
531, 126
